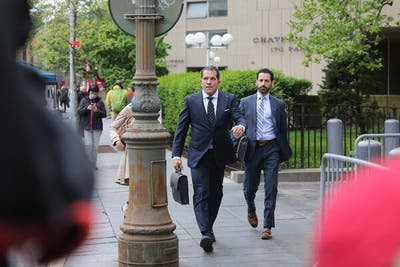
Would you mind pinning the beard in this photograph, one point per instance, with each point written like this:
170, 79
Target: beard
264, 90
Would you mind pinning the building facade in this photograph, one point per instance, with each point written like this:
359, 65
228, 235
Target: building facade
259, 28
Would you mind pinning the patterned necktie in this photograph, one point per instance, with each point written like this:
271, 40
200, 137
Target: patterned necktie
260, 118
210, 110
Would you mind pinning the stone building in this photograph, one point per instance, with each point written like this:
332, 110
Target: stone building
258, 28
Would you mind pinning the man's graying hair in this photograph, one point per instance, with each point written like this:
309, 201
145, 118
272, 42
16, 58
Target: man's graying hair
211, 68
266, 71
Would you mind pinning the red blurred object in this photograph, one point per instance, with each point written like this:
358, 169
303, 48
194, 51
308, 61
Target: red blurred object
88, 83
99, 82
77, 44
360, 225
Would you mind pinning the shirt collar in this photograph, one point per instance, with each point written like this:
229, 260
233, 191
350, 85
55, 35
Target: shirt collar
205, 95
266, 97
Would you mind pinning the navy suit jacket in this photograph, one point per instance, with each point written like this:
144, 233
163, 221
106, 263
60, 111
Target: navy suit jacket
248, 106
203, 133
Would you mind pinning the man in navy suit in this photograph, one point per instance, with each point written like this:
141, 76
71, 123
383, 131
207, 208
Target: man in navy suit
210, 113
267, 147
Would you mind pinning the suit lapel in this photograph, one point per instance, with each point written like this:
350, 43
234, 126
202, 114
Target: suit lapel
221, 105
200, 106
274, 106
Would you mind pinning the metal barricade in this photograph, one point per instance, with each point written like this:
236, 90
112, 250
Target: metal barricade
369, 137
336, 170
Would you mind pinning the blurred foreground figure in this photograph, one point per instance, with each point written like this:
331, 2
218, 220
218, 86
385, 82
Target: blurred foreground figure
360, 224
46, 179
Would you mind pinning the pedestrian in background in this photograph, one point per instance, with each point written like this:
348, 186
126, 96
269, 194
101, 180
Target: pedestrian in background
81, 93
267, 148
210, 113
131, 93
117, 128
116, 99
64, 98
92, 111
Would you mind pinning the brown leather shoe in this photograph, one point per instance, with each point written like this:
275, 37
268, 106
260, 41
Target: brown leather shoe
252, 218
266, 234
124, 181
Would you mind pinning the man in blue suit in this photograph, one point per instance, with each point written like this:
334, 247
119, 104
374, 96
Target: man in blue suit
210, 113
267, 147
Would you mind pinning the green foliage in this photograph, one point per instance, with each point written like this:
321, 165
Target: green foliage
340, 30
111, 52
51, 35
346, 34
173, 89
341, 93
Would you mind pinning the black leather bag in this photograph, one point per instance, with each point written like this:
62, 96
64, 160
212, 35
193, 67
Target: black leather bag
180, 187
241, 148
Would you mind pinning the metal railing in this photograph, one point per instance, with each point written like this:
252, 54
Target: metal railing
370, 137
336, 170
307, 131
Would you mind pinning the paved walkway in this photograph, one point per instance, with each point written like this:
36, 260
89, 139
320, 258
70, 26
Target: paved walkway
237, 243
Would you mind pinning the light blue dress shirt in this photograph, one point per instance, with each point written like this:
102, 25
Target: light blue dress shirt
268, 132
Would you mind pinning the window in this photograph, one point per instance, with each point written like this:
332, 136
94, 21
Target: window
196, 10
204, 9
217, 8
198, 69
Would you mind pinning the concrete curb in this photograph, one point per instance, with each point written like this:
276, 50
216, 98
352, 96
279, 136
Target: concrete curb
289, 175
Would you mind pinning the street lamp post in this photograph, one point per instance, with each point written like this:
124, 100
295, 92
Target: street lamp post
199, 40
147, 237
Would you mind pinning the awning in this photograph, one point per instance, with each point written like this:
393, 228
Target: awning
46, 77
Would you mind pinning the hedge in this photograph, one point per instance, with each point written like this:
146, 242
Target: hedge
173, 88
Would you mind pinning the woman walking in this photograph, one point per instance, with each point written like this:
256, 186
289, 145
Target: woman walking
92, 111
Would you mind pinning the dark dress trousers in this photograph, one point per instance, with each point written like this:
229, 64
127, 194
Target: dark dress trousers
210, 149
266, 158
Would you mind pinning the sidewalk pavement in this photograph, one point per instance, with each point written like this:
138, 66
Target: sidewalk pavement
237, 243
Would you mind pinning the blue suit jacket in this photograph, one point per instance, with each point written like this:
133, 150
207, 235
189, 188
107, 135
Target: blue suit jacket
203, 133
248, 106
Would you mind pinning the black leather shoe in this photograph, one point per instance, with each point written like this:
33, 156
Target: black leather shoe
206, 243
212, 237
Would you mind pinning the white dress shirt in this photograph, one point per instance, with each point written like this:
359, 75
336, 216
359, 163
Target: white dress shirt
214, 101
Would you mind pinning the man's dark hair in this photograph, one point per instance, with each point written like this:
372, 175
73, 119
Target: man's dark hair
211, 68
266, 71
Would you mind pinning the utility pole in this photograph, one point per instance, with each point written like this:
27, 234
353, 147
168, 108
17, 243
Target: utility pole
73, 93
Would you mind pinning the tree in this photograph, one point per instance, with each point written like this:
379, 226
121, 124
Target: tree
111, 52
50, 17
344, 30
341, 96
346, 34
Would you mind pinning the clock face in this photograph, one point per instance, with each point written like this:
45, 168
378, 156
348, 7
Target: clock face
167, 13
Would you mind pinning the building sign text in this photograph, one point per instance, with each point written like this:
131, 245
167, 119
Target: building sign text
278, 43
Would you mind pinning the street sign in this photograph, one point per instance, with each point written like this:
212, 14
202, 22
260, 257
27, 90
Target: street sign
167, 14
75, 44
